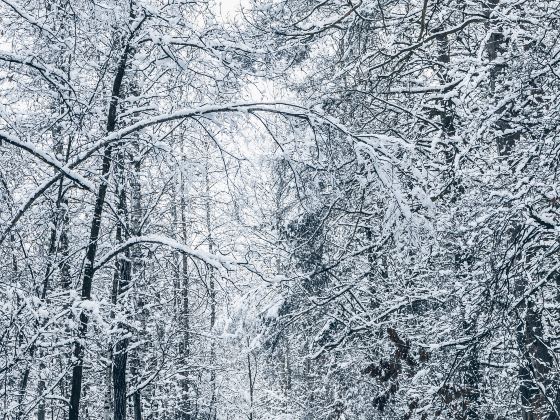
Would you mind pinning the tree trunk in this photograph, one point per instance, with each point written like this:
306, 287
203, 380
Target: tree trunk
122, 279
252, 371
78, 352
212, 292
137, 267
186, 408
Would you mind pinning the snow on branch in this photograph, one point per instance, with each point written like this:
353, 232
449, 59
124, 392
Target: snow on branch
50, 74
47, 158
279, 107
30, 19
216, 261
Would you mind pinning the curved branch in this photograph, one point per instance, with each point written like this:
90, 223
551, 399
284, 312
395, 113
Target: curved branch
48, 159
21, 12
213, 260
283, 108
45, 70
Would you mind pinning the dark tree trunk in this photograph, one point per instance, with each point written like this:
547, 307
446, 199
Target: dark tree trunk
119, 379
136, 215
78, 352
185, 408
122, 280
472, 376
77, 370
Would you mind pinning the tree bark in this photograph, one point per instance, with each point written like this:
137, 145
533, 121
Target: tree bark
136, 259
122, 280
212, 292
78, 352
186, 407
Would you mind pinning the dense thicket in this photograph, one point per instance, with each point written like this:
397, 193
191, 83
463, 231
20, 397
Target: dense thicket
309, 210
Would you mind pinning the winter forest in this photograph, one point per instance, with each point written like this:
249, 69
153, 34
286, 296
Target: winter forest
279, 209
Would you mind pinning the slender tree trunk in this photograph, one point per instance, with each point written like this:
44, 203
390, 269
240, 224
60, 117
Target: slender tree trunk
108, 375
252, 372
212, 292
186, 406
119, 367
122, 279
78, 352
25, 377
137, 266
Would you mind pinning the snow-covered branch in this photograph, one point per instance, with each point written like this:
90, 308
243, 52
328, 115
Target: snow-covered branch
216, 261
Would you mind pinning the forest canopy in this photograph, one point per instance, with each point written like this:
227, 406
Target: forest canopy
279, 209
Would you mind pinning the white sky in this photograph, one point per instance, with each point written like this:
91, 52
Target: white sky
229, 7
